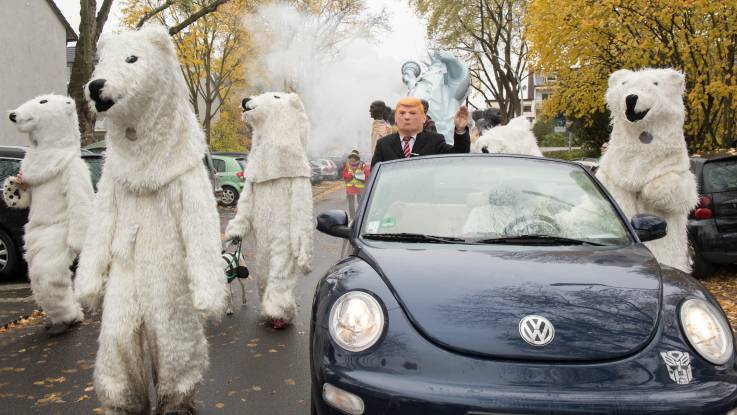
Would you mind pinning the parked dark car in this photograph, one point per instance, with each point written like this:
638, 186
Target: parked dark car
12, 221
500, 284
712, 226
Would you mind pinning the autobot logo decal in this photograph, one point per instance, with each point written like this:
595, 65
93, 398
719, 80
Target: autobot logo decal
536, 330
679, 366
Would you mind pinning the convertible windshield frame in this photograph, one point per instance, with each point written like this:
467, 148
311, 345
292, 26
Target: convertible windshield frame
377, 171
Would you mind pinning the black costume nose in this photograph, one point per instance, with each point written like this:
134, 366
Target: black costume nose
244, 102
96, 88
12, 116
631, 101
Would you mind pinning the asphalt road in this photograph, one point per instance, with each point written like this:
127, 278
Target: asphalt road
254, 369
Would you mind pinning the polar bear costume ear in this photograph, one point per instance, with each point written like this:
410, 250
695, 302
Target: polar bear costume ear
69, 105
617, 76
104, 39
296, 102
159, 36
675, 78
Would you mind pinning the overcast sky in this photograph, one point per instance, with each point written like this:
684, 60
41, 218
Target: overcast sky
405, 39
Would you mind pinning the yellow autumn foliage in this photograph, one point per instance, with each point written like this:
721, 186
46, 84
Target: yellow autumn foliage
212, 50
583, 41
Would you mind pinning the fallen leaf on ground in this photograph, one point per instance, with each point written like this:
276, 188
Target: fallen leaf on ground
54, 397
60, 379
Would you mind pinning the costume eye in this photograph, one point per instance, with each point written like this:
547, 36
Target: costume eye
624, 82
655, 83
277, 97
43, 101
131, 58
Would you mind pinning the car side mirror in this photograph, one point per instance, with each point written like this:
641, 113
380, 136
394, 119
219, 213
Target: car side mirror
334, 223
649, 227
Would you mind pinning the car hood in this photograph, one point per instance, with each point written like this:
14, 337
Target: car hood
603, 302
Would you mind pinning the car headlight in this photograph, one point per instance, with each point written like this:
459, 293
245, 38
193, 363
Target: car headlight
707, 330
356, 321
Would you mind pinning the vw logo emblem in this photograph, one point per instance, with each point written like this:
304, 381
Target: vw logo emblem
536, 330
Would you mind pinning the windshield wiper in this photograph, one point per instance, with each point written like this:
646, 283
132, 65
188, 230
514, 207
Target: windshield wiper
414, 237
536, 240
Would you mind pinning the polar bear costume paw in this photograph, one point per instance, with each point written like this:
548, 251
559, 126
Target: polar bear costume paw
14, 196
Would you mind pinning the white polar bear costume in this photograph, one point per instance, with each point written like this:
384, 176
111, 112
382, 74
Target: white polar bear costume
276, 201
514, 138
646, 167
60, 198
155, 252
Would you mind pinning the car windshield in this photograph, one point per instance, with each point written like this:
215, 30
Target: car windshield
720, 176
490, 200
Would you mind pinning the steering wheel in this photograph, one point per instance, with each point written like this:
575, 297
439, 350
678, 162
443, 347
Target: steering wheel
532, 225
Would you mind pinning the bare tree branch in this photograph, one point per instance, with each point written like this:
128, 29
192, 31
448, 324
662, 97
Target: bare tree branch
153, 13
101, 19
203, 11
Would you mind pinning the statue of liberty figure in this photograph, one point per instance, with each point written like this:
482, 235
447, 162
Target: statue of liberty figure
444, 84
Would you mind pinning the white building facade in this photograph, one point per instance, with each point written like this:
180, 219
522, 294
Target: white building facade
33, 40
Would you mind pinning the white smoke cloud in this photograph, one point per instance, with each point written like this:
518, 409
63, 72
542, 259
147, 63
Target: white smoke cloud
336, 84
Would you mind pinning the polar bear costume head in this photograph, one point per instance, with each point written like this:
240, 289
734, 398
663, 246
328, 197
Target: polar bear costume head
51, 124
49, 120
648, 106
280, 133
647, 114
514, 138
153, 135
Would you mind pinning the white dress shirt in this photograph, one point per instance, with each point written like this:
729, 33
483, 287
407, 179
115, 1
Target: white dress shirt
411, 142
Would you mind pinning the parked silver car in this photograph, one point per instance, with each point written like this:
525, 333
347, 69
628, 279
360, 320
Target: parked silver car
212, 175
328, 169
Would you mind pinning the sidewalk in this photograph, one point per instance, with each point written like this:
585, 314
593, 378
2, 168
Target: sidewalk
16, 302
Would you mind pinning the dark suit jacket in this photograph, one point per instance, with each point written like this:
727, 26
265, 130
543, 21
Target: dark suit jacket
427, 143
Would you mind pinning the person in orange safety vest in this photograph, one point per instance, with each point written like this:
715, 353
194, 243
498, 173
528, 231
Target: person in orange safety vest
355, 174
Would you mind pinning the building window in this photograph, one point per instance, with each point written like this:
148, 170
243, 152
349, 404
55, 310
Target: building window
545, 96
527, 108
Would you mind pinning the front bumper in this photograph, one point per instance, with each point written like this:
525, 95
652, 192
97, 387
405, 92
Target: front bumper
712, 245
415, 398
406, 374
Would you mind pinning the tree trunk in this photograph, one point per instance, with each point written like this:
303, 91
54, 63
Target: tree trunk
82, 69
208, 121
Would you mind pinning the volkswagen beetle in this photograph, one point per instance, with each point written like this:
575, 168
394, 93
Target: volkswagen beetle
491, 284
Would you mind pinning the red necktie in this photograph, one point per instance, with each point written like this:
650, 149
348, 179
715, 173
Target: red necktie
406, 146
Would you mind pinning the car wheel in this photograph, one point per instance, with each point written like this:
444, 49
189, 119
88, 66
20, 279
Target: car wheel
230, 196
8, 255
313, 408
700, 267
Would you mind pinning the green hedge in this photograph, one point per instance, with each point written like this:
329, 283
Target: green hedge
554, 140
571, 155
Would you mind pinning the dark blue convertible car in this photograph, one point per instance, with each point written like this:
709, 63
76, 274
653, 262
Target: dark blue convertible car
490, 284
